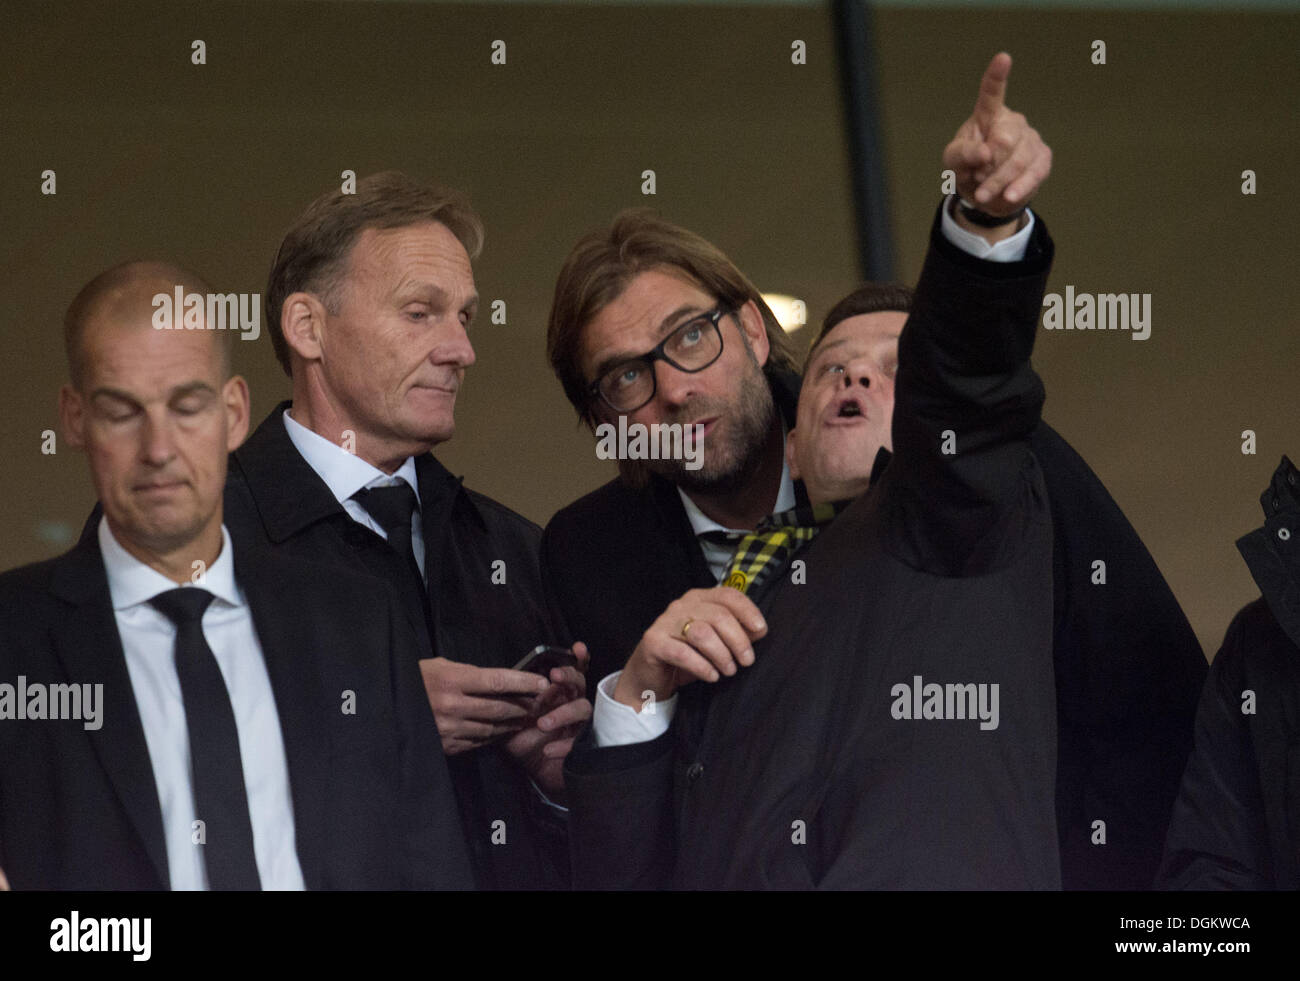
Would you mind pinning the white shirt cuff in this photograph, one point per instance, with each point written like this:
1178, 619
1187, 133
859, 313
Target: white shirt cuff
616, 724
1008, 250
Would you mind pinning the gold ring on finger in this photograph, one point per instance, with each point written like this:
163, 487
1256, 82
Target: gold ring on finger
687, 626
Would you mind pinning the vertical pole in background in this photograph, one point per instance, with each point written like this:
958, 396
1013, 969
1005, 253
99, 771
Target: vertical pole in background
855, 44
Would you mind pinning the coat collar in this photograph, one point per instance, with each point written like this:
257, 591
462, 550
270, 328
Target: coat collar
1273, 552
87, 643
290, 496
785, 392
675, 527
441, 493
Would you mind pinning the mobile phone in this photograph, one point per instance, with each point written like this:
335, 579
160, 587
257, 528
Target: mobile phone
542, 658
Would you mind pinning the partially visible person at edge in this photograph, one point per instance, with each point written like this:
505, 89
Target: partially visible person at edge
1236, 822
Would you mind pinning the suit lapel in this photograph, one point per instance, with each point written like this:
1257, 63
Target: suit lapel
440, 494
299, 701
290, 498
438, 490
683, 567
785, 393
89, 647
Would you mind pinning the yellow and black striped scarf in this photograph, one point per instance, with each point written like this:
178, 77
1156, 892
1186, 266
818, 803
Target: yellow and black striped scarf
765, 551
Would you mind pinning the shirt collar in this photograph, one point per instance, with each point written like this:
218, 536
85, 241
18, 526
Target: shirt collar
701, 522
131, 582
344, 473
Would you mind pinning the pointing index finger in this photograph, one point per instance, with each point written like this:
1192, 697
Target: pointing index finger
993, 91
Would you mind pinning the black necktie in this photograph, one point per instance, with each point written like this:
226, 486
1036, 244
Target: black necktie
393, 507
217, 769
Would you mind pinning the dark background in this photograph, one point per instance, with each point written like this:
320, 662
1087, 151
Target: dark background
207, 165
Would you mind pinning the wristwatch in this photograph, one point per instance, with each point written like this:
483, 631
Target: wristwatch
977, 217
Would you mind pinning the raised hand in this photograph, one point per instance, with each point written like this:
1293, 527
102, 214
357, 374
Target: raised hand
999, 159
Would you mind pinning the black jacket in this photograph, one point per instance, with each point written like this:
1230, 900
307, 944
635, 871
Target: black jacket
1129, 671
273, 497
1236, 822
795, 773
1129, 668
373, 805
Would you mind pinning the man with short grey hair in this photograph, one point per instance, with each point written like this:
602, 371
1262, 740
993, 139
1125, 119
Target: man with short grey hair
368, 305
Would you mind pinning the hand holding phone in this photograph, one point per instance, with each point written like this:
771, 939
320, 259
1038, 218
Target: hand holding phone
543, 658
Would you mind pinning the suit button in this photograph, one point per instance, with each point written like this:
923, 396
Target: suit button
693, 773
1284, 534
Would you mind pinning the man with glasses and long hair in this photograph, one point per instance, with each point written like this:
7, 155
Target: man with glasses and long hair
654, 323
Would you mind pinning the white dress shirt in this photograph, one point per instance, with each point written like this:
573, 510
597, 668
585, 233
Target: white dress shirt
616, 724
149, 643
346, 473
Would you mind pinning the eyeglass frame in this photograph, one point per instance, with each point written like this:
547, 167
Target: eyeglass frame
657, 354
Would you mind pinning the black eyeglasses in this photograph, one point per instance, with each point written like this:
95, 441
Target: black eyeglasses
692, 347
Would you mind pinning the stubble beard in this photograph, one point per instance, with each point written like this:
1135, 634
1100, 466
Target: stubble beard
728, 472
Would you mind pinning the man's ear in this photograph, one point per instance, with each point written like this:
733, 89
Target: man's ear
72, 415
790, 455
302, 320
234, 394
751, 322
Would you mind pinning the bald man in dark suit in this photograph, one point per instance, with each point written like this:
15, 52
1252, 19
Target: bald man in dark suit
244, 723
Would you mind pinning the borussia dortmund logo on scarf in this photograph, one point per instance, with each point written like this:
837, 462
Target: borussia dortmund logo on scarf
767, 550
